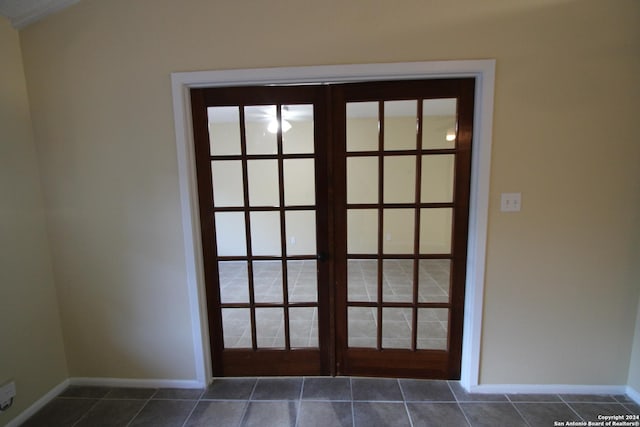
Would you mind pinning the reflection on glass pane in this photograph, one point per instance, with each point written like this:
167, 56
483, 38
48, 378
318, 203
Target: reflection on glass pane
301, 232
435, 231
437, 178
227, 183
302, 280
362, 327
267, 281
299, 182
397, 277
432, 328
263, 183
257, 120
362, 179
265, 233
439, 123
362, 280
224, 130
398, 231
270, 327
299, 138
362, 231
362, 126
400, 125
234, 284
230, 234
433, 280
399, 179
396, 327
303, 327
236, 327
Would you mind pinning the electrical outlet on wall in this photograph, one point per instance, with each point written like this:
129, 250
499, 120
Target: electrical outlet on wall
7, 393
510, 202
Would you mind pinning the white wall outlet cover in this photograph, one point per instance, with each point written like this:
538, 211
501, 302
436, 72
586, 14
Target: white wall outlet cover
7, 392
510, 202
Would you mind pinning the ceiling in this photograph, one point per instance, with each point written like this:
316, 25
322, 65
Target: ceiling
24, 12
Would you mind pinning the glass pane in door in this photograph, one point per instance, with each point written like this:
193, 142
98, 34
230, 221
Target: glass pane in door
260, 133
227, 183
400, 125
362, 179
236, 324
432, 328
299, 182
362, 327
270, 327
300, 232
265, 233
439, 123
399, 179
437, 178
396, 328
435, 230
234, 282
298, 123
267, 281
229, 226
434, 280
302, 280
263, 183
362, 126
303, 327
224, 130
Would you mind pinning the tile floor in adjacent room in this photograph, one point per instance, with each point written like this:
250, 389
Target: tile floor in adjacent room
397, 286
325, 401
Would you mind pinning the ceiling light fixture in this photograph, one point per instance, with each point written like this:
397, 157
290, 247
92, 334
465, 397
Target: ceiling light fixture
272, 127
451, 135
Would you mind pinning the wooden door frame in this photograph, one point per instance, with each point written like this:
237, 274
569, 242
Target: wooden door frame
484, 73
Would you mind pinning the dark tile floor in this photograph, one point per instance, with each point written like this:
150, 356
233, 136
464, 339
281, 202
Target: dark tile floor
312, 401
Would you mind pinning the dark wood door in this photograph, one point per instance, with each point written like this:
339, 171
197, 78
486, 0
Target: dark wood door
402, 164
334, 226
262, 186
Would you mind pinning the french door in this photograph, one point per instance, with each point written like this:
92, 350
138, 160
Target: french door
334, 226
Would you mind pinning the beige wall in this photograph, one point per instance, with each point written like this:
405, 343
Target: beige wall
561, 296
31, 349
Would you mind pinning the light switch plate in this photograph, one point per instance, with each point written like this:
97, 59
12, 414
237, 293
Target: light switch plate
510, 202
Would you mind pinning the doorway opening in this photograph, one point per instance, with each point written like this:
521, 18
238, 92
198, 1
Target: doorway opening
334, 224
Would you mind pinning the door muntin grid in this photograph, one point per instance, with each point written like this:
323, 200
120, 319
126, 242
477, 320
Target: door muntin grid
264, 215
400, 169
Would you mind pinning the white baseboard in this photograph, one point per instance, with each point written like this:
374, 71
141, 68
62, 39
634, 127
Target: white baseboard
132, 382
633, 394
549, 389
38, 404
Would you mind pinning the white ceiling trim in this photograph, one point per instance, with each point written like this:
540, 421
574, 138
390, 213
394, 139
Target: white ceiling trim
24, 12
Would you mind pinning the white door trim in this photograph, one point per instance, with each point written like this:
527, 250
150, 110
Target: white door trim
482, 70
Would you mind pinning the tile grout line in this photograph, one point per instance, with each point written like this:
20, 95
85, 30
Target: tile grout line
517, 410
87, 412
140, 410
570, 407
353, 409
245, 410
190, 413
404, 402
458, 404
299, 402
